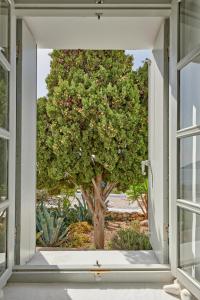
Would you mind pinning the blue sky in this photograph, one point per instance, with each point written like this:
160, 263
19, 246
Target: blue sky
43, 66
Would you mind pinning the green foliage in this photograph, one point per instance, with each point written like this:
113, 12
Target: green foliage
94, 120
82, 211
52, 222
137, 190
50, 228
130, 239
3, 231
73, 214
4, 98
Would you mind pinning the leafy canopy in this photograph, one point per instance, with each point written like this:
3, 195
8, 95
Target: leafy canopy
93, 121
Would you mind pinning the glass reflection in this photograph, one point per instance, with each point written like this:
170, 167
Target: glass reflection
4, 27
3, 170
189, 251
189, 172
189, 26
190, 94
3, 240
4, 97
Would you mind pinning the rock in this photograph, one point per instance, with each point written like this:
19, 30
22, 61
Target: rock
186, 295
144, 223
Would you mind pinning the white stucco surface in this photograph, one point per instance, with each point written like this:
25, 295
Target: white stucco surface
87, 32
80, 291
90, 257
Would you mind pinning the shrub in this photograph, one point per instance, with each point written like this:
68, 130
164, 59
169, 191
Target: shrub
130, 239
80, 227
135, 225
79, 234
139, 192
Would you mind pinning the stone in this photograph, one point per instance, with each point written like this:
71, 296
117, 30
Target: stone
144, 223
185, 295
173, 288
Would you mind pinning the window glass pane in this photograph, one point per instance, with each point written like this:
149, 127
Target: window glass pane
190, 94
189, 252
3, 240
4, 27
189, 172
4, 97
189, 26
3, 170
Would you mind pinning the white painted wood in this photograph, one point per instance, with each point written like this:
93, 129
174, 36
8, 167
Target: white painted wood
158, 145
11, 137
26, 144
172, 137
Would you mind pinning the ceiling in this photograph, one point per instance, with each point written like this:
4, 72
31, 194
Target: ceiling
91, 33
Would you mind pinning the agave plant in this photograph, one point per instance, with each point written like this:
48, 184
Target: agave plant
51, 231
82, 210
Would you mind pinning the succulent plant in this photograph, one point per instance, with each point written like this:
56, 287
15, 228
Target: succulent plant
49, 227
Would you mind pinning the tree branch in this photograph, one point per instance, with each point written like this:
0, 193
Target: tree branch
108, 189
97, 189
88, 199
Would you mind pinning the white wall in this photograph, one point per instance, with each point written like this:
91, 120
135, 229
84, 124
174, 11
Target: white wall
26, 143
158, 145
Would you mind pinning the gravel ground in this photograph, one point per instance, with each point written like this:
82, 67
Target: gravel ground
116, 203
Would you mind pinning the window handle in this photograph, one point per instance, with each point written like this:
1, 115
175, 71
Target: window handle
144, 164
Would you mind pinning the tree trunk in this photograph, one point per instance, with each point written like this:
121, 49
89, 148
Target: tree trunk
96, 203
98, 219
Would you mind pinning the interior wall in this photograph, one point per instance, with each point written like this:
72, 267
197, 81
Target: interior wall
26, 143
158, 145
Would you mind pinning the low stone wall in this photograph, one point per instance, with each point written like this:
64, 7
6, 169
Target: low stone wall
124, 216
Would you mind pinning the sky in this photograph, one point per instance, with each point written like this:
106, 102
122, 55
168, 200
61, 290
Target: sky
43, 66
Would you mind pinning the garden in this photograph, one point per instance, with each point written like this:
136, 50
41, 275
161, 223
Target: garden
66, 222
91, 140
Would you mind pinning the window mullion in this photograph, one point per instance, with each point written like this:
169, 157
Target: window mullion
189, 131
194, 207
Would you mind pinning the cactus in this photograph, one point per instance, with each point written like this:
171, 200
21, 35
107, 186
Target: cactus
50, 229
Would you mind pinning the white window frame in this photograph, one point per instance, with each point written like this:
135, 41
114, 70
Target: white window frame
10, 136
174, 136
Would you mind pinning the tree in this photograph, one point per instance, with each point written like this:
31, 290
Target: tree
91, 127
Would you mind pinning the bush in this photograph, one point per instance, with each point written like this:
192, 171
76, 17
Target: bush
130, 239
79, 234
139, 192
80, 227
